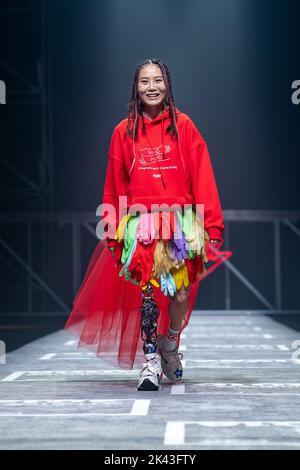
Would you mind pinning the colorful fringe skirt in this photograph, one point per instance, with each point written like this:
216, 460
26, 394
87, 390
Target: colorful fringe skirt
166, 249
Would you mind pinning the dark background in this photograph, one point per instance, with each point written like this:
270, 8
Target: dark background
68, 66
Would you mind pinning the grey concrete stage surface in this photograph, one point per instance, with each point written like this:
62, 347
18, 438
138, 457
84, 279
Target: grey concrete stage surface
240, 391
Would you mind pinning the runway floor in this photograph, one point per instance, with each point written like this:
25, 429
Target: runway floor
241, 390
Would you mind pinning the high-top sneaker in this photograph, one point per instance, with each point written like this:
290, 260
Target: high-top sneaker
170, 362
150, 374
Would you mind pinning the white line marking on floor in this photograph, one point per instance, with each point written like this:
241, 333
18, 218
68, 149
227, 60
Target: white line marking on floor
287, 395
223, 327
246, 444
47, 357
84, 373
239, 361
266, 347
59, 415
77, 355
174, 433
12, 377
247, 385
178, 389
66, 356
249, 424
282, 347
257, 328
71, 342
39, 375
268, 336
224, 335
64, 401
140, 408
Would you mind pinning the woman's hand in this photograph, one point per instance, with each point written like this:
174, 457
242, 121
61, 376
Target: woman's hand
216, 242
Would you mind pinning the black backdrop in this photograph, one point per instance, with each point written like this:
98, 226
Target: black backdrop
232, 63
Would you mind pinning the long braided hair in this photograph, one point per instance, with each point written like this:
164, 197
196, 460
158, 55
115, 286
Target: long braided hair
135, 105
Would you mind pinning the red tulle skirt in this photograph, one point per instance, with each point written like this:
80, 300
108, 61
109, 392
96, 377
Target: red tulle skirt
106, 312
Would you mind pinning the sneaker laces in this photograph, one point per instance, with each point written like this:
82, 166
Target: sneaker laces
174, 358
151, 366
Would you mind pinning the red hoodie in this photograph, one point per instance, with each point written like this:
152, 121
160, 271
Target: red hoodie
156, 168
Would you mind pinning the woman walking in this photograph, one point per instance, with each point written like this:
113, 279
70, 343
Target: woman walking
142, 281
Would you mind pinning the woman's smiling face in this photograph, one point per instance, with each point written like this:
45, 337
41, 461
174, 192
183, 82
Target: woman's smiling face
151, 87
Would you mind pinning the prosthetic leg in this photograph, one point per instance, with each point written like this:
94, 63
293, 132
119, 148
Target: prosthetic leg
151, 372
149, 312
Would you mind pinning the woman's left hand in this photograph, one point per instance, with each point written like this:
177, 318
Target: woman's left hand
216, 243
